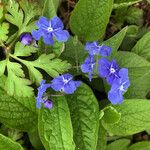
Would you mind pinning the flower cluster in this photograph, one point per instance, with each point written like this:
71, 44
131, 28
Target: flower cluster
117, 78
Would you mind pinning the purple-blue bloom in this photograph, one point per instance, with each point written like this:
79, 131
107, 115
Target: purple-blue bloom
48, 104
65, 83
119, 87
88, 66
26, 38
50, 29
108, 69
94, 49
41, 90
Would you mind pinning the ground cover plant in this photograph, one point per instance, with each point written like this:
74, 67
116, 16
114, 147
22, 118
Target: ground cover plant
74, 75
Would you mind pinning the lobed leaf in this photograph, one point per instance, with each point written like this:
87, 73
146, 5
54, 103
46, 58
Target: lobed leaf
4, 31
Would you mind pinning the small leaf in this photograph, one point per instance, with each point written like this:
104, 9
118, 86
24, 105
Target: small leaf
90, 18
85, 117
4, 31
122, 144
55, 127
111, 115
7, 144
134, 118
145, 145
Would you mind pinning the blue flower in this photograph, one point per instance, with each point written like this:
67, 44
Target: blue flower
26, 39
88, 66
65, 83
48, 104
50, 29
94, 49
41, 90
119, 87
108, 69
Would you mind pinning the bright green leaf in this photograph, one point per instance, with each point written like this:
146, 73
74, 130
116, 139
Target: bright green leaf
145, 145
134, 118
4, 31
3, 66
90, 18
55, 127
139, 73
7, 144
142, 47
85, 117
121, 144
111, 115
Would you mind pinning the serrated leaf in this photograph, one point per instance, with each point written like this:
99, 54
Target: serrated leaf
139, 73
7, 144
90, 18
55, 127
15, 15
85, 117
102, 138
142, 47
145, 145
134, 118
18, 113
116, 41
15, 83
121, 144
111, 115
50, 8
4, 31
22, 50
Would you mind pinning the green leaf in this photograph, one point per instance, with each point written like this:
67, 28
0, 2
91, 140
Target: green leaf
15, 83
145, 145
85, 117
139, 73
142, 47
111, 115
50, 8
55, 127
58, 48
18, 113
102, 138
3, 66
22, 50
90, 18
15, 14
4, 31
121, 144
7, 144
135, 117
116, 40
1, 11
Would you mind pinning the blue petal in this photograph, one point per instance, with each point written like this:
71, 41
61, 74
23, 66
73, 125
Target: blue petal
57, 83
61, 35
115, 97
48, 39
77, 83
123, 73
105, 50
36, 34
43, 22
92, 47
56, 23
67, 76
85, 68
70, 87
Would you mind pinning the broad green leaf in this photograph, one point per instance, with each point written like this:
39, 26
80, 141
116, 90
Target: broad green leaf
145, 145
142, 47
116, 40
121, 144
90, 18
8, 144
124, 1
139, 73
55, 127
135, 117
4, 31
18, 113
102, 138
15, 83
22, 50
85, 118
50, 8
111, 115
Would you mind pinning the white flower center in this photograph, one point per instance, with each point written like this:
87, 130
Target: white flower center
112, 70
121, 88
50, 29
